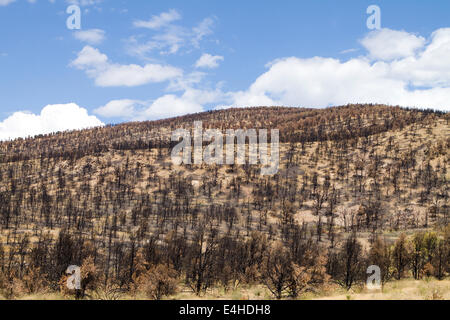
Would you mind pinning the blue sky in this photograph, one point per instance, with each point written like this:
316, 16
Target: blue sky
143, 60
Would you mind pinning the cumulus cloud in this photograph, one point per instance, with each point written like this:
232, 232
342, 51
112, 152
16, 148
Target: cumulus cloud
167, 106
414, 76
53, 118
170, 105
430, 67
387, 44
124, 108
418, 76
108, 74
208, 61
91, 36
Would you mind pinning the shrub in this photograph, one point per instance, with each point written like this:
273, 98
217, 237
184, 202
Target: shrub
159, 281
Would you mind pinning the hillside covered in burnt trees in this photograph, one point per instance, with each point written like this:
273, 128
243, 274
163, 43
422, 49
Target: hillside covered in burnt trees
358, 185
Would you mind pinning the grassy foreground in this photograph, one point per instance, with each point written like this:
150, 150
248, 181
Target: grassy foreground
407, 289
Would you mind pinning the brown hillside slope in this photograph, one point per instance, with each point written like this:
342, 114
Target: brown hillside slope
114, 195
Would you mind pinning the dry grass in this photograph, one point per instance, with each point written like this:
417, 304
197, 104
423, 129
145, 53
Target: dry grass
399, 290
407, 289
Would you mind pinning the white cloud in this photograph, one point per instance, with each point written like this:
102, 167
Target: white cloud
167, 106
421, 78
134, 75
92, 36
208, 61
125, 108
53, 118
170, 105
431, 66
107, 74
157, 22
387, 44
5, 2
186, 82
90, 58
